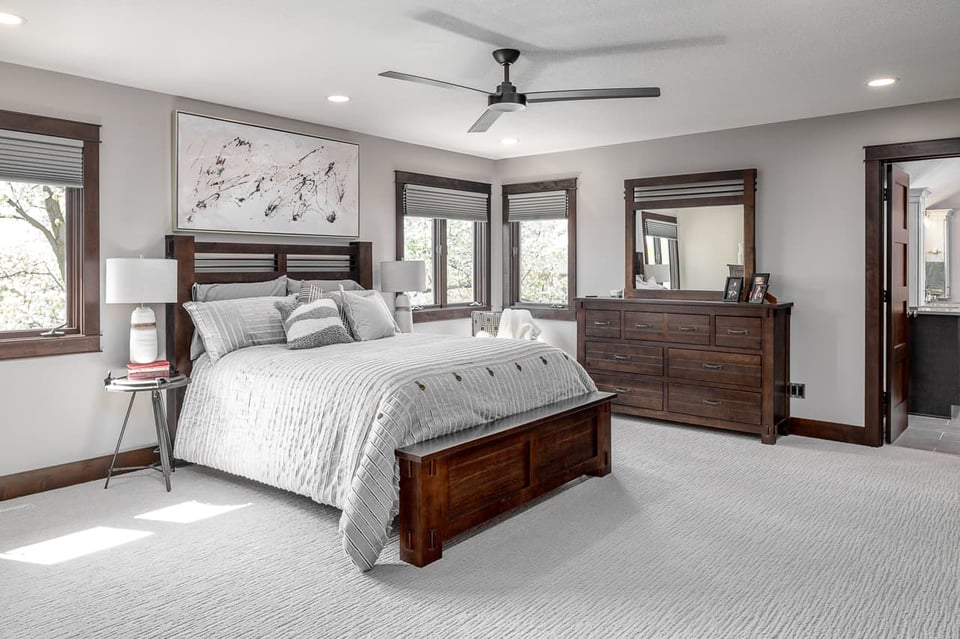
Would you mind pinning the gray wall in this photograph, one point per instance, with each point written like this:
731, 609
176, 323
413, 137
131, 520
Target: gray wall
54, 410
810, 225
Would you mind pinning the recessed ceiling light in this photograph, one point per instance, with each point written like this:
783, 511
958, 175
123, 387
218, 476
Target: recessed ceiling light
10, 19
882, 82
509, 140
338, 98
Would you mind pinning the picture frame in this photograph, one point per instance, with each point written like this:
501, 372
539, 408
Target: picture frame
732, 289
757, 279
757, 294
236, 177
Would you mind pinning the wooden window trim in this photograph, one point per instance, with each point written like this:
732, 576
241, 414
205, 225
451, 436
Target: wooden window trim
481, 265
82, 334
511, 256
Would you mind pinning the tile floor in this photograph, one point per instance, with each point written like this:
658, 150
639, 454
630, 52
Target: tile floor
937, 434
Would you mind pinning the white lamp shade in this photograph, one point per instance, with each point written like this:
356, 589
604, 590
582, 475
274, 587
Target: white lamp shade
141, 281
403, 277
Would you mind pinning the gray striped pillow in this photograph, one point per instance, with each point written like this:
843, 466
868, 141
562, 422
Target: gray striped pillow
228, 325
311, 325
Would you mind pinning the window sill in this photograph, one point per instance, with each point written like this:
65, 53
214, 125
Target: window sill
23, 347
455, 312
547, 313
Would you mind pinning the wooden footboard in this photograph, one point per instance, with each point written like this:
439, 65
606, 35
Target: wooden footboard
453, 483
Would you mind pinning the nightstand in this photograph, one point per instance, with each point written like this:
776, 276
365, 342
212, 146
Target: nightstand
156, 387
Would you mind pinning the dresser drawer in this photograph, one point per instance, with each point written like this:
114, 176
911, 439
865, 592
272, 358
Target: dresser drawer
738, 332
688, 329
737, 406
625, 358
711, 366
648, 326
602, 324
631, 391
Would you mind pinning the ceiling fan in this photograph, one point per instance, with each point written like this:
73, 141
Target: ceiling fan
507, 98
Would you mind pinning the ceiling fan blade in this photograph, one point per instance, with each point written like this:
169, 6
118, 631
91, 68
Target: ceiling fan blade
592, 94
396, 75
485, 121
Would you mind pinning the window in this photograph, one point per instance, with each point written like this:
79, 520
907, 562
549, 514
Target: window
541, 256
445, 223
49, 236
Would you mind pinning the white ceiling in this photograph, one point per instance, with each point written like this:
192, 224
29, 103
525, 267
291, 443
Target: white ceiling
941, 177
721, 63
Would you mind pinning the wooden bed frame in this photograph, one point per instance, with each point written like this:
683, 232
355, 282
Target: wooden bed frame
448, 484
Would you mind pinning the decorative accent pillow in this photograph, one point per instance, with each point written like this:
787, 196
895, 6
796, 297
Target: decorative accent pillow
233, 291
228, 325
295, 286
368, 315
311, 325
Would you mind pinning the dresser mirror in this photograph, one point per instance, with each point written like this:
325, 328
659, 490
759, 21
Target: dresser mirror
684, 232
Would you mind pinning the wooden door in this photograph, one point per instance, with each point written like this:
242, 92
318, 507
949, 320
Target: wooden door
898, 337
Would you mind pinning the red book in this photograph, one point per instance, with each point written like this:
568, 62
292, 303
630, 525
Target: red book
161, 363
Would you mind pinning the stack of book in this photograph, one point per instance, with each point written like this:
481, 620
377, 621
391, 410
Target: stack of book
149, 371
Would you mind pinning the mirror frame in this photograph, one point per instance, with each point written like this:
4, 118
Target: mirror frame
746, 198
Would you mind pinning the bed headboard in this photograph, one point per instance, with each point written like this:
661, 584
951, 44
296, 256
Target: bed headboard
209, 262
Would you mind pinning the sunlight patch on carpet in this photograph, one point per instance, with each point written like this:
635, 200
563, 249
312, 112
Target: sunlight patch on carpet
85, 542
189, 512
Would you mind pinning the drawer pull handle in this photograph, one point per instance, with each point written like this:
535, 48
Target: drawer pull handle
643, 325
712, 367
688, 329
743, 331
712, 402
596, 323
621, 390
624, 358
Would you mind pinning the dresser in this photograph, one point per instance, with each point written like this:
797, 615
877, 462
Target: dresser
719, 364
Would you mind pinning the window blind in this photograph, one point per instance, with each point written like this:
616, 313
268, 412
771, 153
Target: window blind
448, 204
688, 191
544, 205
658, 228
40, 159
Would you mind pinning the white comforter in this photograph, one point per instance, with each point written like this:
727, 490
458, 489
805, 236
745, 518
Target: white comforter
325, 422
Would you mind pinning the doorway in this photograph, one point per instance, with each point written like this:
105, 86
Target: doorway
887, 339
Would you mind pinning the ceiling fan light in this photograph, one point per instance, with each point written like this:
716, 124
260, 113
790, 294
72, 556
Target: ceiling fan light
882, 82
507, 107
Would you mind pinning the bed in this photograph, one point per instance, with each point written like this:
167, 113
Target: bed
446, 432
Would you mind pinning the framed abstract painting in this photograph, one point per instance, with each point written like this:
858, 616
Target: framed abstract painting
233, 177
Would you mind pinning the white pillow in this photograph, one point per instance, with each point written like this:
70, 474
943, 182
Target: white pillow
368, 315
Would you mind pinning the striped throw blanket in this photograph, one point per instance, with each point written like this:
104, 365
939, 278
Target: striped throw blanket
325, 422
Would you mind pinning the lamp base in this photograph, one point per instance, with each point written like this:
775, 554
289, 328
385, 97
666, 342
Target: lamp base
402, 313
143, 335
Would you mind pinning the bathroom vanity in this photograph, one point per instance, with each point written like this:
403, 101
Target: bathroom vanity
935, 360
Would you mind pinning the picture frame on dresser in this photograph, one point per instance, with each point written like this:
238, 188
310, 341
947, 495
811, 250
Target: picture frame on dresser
733, 289
757, 294
236, 177
758, 279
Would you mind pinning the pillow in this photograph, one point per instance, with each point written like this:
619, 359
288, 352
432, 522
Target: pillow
232, 291
368, 315
228, 325
312, 325
238, 290
294, 286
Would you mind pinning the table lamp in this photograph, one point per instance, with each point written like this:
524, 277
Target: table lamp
403, 277
142, 281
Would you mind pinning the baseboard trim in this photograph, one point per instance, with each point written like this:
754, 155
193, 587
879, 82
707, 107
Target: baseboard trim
37, 481
827, 430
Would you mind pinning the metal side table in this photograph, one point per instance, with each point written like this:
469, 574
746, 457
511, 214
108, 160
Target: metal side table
156, 388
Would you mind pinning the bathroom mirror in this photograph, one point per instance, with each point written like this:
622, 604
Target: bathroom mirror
684, 232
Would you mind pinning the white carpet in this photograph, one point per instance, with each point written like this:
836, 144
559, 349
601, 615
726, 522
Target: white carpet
697, 533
